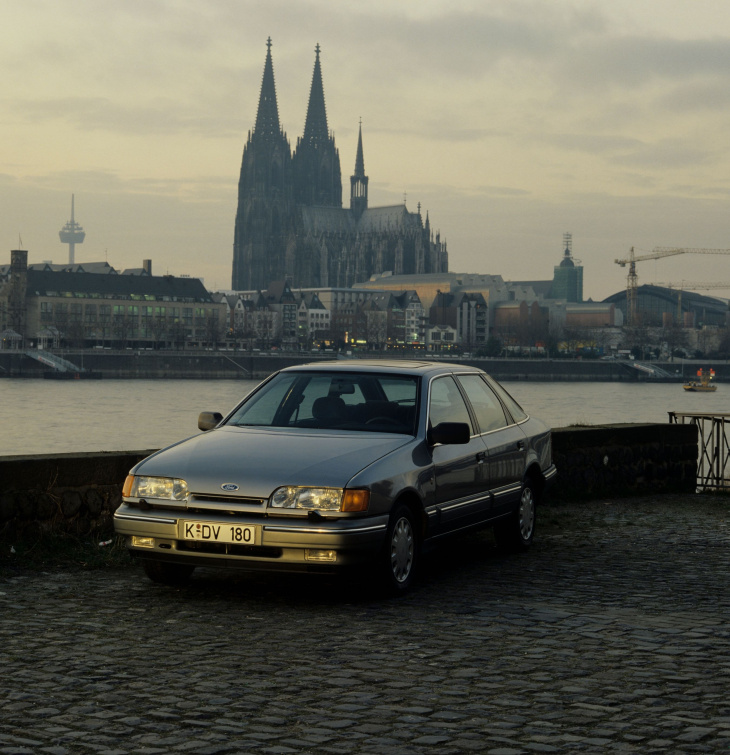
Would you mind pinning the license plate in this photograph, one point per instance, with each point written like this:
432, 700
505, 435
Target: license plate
218, 532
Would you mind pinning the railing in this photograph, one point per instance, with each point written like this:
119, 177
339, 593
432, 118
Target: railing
713, 464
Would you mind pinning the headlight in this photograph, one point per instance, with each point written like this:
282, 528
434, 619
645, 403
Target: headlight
169, 488
324, 499
320, 499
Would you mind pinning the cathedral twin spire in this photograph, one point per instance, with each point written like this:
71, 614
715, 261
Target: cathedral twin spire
316, 133
267, 118
290, 223
316, 162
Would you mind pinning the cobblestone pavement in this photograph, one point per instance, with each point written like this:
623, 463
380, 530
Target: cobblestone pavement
610, 635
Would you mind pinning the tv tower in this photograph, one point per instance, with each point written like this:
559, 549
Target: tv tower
72, 233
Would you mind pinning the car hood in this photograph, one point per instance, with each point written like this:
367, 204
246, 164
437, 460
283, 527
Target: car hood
259, 460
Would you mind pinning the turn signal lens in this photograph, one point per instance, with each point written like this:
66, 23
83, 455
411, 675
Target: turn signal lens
355, 500
127, 489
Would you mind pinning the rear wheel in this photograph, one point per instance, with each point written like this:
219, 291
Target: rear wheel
400, 556
517, 531
167, 574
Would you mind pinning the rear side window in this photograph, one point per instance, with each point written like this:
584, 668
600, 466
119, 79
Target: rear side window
517, 412
489, 412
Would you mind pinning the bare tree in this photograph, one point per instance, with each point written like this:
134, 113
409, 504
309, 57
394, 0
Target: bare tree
214, 329
376, 328
675, 337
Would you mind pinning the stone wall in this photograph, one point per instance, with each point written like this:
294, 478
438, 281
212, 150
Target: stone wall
78, 493
74, 494
621, 460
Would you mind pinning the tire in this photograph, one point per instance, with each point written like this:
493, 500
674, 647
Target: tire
516, 532
401, 553
165, 573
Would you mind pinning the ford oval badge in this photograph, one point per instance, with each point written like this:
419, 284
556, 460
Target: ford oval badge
229, 486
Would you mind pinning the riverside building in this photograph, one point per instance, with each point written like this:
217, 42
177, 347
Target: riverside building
44, 306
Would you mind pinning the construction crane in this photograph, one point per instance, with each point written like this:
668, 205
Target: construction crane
632, 280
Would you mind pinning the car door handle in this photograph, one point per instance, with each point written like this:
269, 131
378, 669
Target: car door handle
481, 457
520, 445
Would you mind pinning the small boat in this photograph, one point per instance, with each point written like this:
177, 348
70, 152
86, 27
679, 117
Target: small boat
703, 385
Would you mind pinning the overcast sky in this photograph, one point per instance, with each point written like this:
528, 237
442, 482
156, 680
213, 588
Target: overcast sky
510, 122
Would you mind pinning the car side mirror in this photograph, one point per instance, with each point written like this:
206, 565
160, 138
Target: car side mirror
208, 420
449, 434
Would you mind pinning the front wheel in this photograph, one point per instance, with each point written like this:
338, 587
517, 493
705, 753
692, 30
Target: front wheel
165, 573
517, 531
400, 556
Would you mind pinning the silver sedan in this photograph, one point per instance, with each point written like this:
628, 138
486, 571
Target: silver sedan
334, 465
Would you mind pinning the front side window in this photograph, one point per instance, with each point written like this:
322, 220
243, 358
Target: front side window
447, 404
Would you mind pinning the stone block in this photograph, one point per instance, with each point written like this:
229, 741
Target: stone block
46, 506
25, 504
7, 507
94, 501
71, 501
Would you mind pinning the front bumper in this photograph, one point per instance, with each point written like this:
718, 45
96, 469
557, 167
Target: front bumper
283, 544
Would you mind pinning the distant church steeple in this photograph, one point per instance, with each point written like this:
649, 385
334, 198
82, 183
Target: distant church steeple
267, 118
359, 182
316, 133
264, 192
316, 161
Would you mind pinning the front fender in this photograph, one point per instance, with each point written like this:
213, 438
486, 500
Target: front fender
407, 471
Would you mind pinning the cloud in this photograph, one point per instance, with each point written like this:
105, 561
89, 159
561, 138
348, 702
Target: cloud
160, 117
511, 121
668, 154
636, 62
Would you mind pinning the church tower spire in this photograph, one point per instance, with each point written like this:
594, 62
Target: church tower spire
359, 181
267, 118
316, 161
264, 194
316, 132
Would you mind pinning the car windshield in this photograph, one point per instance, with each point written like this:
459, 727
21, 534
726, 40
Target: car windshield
357, 401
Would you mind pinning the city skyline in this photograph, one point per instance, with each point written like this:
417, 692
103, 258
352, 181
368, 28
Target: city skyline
510, 123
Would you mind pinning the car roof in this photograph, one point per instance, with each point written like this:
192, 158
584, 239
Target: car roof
395, 366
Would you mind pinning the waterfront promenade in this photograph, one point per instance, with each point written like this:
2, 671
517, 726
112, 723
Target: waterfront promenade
610, 635
244, 365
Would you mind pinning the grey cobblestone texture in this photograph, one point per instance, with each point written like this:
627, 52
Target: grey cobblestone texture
610, 636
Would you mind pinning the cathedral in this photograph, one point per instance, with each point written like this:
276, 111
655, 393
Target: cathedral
290, 222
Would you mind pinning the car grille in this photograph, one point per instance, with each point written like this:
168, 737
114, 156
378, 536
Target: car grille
228, 549
228, 499
223, 503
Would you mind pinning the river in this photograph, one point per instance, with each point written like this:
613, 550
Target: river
60, 416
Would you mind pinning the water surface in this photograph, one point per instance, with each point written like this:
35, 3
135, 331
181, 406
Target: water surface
56, 416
